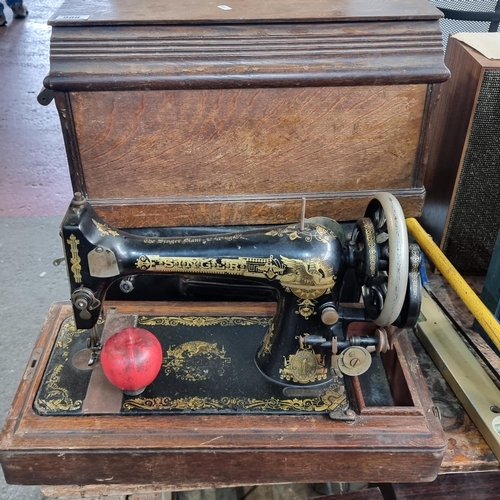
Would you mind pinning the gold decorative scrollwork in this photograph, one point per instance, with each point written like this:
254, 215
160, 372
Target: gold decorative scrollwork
57, 397
195, 361
372, 245
319, 233
66, 334
267, 342
307, 279
202, 321
306, 308
325, 235
104, 229
304, 366
75, 260
328, 401
268, 268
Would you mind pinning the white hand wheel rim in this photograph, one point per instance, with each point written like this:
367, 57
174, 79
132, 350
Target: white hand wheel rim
398, 259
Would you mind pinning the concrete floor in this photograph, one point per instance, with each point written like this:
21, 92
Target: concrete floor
34, 193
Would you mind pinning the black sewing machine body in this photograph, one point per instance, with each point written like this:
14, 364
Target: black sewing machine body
301, 266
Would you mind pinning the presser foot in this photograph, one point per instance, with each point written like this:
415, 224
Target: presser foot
94, 354
94, 346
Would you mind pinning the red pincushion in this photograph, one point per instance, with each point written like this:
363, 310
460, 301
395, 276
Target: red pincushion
131, 359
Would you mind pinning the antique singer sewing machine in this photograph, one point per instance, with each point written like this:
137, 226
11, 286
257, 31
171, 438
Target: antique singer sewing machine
305, 264
193, 131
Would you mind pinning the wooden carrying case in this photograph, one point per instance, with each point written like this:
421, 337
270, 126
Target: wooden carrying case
193, 114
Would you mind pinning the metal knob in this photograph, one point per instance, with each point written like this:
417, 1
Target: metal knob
354, 361
329, 315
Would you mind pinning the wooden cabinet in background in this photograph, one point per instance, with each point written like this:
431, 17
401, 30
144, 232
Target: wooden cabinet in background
462, 208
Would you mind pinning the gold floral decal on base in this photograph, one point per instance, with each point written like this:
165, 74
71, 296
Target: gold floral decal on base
195, 361
104, 229
66, 335
201, 321
58, 398
329, 401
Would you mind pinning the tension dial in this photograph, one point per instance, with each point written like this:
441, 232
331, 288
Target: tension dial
354, 361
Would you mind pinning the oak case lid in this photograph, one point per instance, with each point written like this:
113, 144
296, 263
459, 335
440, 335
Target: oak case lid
96, 12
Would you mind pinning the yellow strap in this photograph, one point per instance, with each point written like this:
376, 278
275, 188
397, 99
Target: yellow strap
464, 291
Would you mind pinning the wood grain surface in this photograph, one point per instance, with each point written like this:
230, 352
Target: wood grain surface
301, 54
157, 11
236, 210
210, 143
